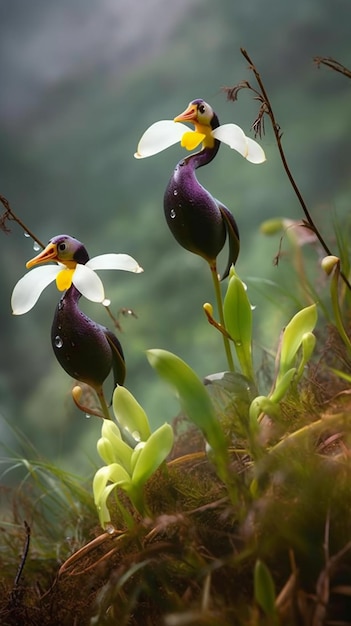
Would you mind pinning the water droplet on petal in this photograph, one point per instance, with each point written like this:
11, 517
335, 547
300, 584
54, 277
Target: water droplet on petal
172, 213
36, 246
58, 341
106, 302
136, 435
175, 192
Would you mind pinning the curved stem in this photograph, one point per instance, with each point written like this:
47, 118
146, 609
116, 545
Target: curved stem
103, 403
76, 395
267, 108
217, 288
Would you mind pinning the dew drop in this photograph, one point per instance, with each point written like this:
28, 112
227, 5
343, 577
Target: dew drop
106, 302
136, 435
175, 192
26, 234
87, 416
58, 341
110, 529
36, 246
172, 213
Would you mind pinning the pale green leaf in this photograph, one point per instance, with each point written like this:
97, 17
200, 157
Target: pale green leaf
130, 415
121, 451
238, 322
264, 589
152, 454
192, 394
114, 474
303, 322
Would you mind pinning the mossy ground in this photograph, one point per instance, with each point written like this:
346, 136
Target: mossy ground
191, 562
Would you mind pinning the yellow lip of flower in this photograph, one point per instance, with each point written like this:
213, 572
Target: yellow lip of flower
191, 139
64, 278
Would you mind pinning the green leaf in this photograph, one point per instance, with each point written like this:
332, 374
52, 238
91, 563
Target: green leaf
117, 476
130, 414
192, 394
264, 589
282, 385
112, 448
153, 452
113, 473
231, 393
105, 450
262, 404
102, 508
136, 453
303, 322
238, 322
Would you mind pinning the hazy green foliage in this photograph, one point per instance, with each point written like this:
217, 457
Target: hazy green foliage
66, 165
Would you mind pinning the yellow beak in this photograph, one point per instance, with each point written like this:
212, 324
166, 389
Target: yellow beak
48, 254
189, 115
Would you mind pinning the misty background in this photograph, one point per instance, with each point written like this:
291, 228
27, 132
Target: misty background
80, 81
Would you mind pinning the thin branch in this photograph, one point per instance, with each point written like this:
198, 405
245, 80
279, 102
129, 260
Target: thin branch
333, 64
23, 559
258, 127
10, 215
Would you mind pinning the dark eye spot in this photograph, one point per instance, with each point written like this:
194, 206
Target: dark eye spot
62, 247
202, 108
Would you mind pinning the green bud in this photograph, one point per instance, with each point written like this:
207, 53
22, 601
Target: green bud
272, 226
329, 262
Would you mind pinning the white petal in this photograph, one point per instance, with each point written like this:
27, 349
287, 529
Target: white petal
159, 136
233, 136
255, 153
88, 283
114, 261
30, 286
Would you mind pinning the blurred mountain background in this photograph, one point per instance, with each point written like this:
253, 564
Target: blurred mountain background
80, 81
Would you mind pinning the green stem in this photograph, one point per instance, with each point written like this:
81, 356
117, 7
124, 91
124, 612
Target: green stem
334, 293
103, 404
217, 288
